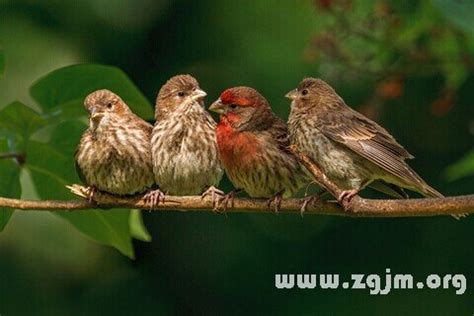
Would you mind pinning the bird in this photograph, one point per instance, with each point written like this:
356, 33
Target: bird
114, 152
352, 150
253, 147
183, 141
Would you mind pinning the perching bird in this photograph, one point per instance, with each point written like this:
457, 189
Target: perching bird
114, 153
184, 148
253, 143
352, 150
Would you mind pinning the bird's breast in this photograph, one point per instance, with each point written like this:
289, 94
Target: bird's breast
236, 149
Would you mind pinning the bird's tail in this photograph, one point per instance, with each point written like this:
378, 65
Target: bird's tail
428, 191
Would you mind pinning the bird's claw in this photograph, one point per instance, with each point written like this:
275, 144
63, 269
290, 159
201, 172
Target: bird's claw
90, 193
276, 199
223, 205
345, 198
310, 200
307, 201
215, 194
153, 198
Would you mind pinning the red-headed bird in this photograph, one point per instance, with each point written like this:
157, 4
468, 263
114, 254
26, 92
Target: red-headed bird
252, 143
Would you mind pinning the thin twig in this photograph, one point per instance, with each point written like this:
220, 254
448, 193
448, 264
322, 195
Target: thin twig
20, 158
10, 155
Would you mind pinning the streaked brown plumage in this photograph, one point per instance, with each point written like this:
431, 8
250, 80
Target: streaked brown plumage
253, 143
114, 152
184, 148
352, 150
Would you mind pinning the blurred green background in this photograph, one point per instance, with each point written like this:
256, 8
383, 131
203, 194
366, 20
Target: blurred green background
408, 65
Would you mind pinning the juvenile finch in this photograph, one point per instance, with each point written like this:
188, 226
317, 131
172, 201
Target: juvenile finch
184, 148
114, 152
252, 144
352, 150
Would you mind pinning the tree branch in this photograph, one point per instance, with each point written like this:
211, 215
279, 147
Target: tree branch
361, 207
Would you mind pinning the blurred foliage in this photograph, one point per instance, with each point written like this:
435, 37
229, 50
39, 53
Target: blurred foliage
460, 13
10, 175
2, 62
463, 168
386, 42
409, 65
17, 123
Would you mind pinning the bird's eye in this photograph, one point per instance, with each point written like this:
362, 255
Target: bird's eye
233, 106
109, 105
304, 92
181, 93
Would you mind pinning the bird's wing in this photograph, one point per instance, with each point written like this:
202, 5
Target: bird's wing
142, 124
371, 141
147, 127
279, 131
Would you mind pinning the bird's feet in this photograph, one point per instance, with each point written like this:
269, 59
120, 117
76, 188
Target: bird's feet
224, 202
90, 192
216, 196
153, 198
310, 200
276, 199
345, 198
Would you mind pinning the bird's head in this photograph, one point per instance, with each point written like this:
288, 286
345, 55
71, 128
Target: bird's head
102, 105
312, 92
242, 106
179, 92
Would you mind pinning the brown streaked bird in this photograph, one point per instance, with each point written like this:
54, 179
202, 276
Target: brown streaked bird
114, 153
252, 144
352, 150
184, 148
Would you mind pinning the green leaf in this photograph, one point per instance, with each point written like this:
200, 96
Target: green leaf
462, 168
69, 86
52, 167
20, 120
66, 112
107, 227
137, 227
2, 62
460, 13
66, 136
17, 123
10, 187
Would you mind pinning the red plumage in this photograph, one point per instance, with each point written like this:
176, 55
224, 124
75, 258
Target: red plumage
236, 150
252, 143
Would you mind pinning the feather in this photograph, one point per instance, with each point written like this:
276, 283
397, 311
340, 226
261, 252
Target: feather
371, 141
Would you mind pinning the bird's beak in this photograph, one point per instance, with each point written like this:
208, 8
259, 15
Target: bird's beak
292, 94
217, 107
198, 95
95, 114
